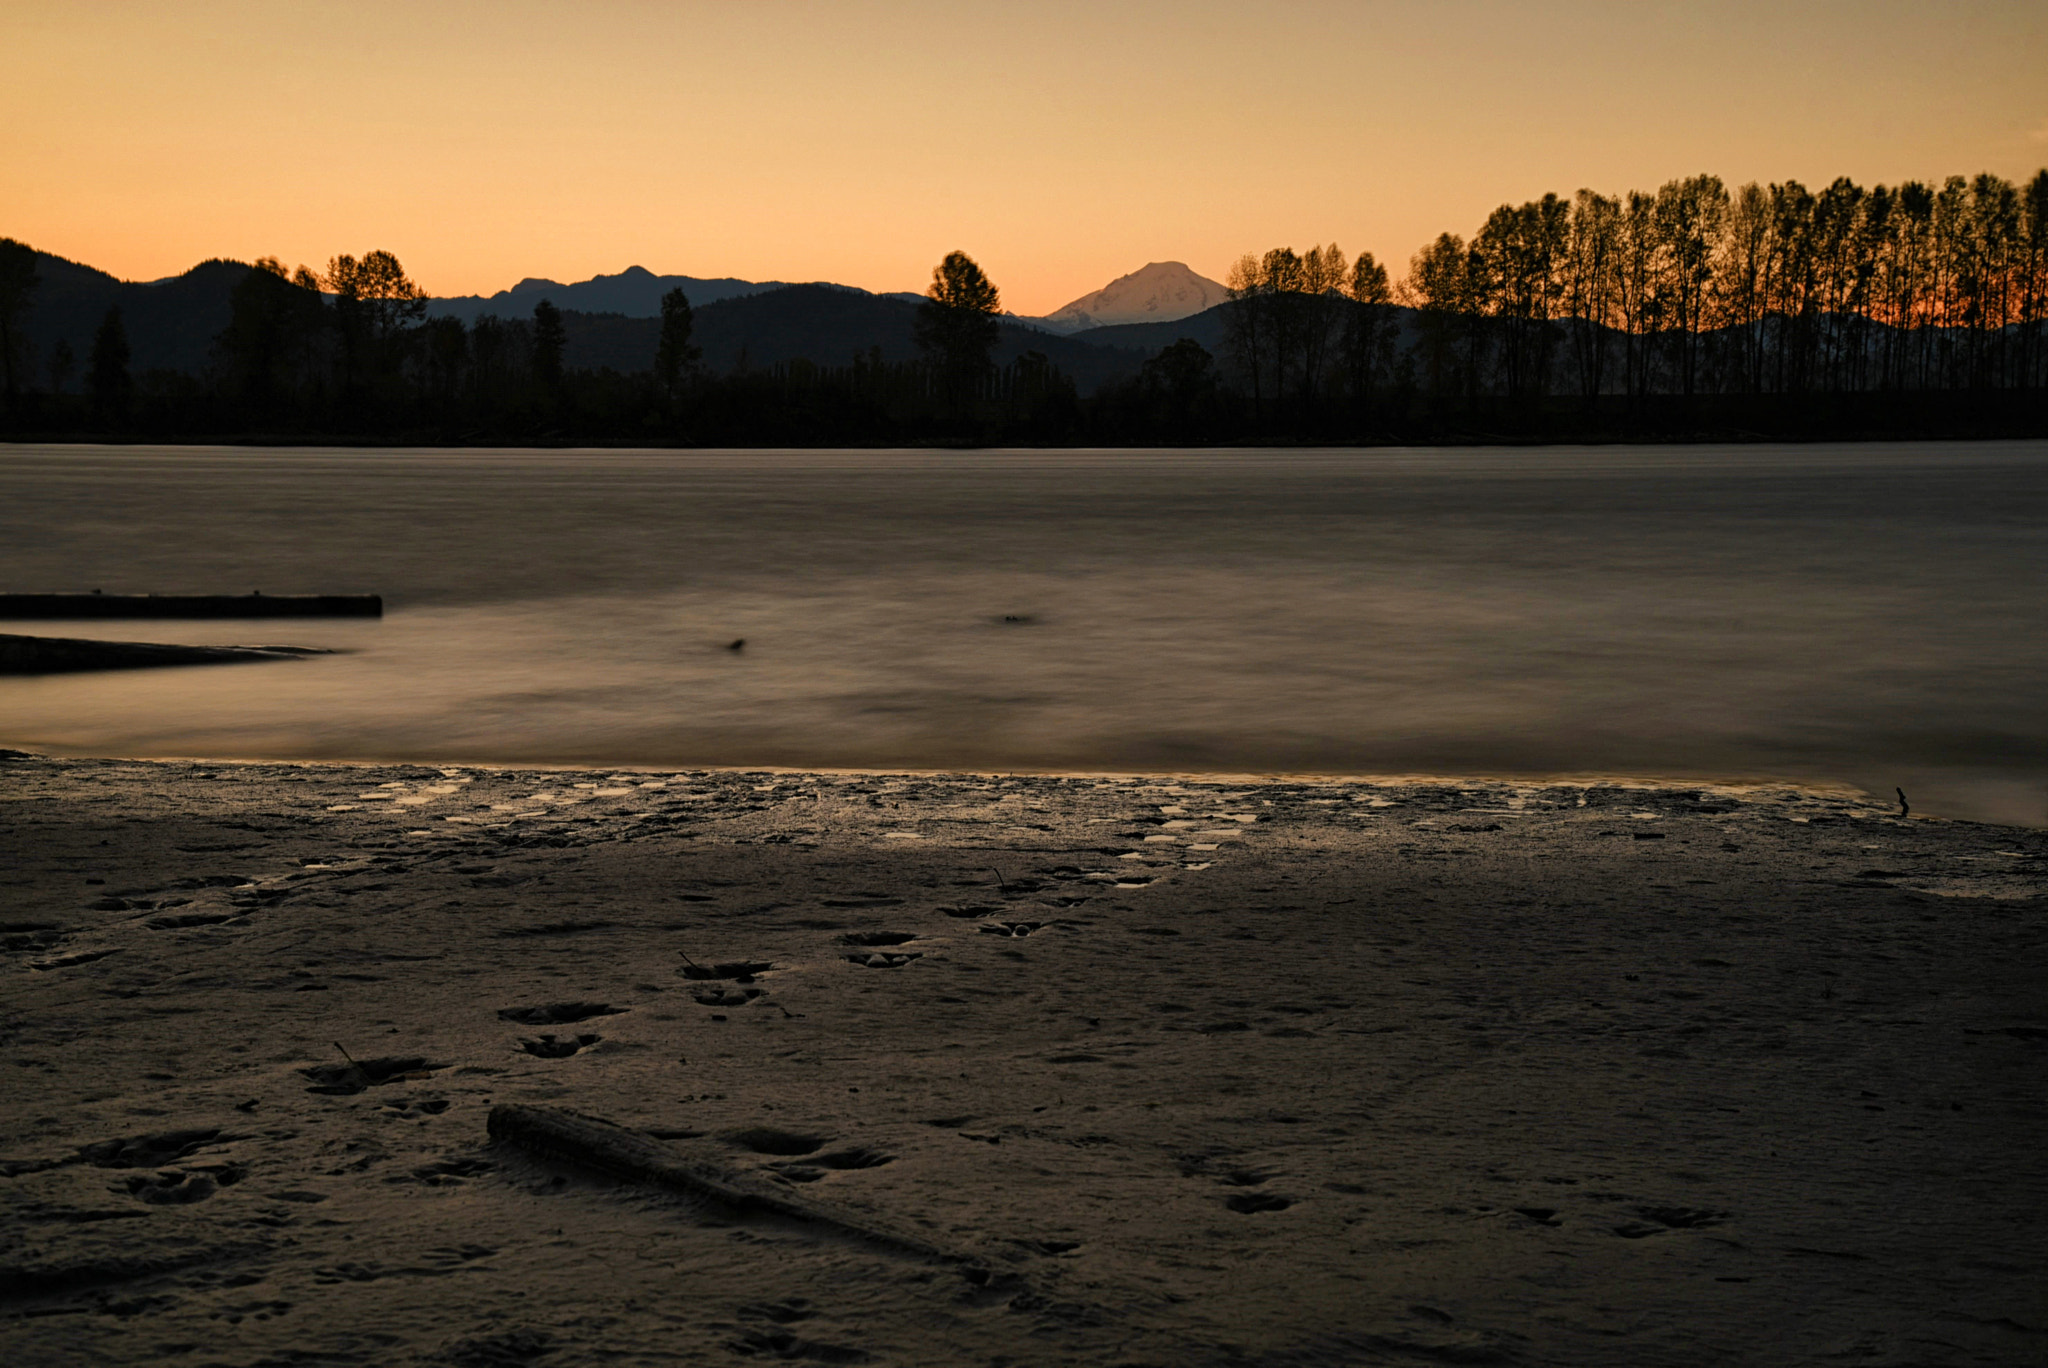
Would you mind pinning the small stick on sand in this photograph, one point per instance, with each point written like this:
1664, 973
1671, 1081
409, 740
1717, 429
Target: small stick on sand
1905, 808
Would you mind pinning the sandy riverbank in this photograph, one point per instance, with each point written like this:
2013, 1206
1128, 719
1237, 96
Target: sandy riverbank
1273, 1073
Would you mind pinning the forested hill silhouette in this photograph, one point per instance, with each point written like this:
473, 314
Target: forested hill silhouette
1211, 328
171, 323
827, 325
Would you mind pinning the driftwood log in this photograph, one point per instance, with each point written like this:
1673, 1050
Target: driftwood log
595, 1143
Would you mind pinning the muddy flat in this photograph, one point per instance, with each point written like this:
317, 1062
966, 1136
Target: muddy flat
1040, 1071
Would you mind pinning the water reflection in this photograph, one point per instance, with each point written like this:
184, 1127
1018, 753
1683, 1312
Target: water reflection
1862, 614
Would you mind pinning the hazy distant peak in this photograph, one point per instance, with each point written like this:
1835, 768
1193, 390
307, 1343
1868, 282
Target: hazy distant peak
1159, 292
534, 283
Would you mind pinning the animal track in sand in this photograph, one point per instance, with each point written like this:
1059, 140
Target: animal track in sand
181, 921
175, 1187
738, 971
727, 997
854, 1157
781, 1344
445, 1172
560, 928
67, 961
150, 1151
506, 1350
1681, 1218
559, 1013
1248, 1177
798, 1173
1249, 1203
772, 1140
552, 1047
343, 1080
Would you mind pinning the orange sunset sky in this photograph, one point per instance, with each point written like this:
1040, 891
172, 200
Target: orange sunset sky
1062, 144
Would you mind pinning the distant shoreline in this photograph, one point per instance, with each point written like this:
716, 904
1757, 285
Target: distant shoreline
343, 441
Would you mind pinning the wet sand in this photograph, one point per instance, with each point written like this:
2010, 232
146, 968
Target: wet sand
1186, 1072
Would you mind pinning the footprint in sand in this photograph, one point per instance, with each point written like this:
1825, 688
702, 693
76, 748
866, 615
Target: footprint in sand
727, 997
738, 971
558, 1013
781, 1344
343, 1080
1250, 1203
175, 1187
785, 1312
967, 910
150, 1151
775, 1141
820, 1166
884, 959
552, 1047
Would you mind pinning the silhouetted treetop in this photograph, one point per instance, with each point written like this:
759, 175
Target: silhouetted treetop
675, 356
550, 340
111, 384
958, 283
379, 287
956, 325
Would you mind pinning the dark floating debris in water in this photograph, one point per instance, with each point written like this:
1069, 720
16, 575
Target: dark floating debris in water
30, 655
251, 605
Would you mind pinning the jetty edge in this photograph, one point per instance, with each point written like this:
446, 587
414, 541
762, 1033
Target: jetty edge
252, 605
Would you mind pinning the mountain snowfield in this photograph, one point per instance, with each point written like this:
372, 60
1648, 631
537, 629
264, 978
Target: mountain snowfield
1161, 292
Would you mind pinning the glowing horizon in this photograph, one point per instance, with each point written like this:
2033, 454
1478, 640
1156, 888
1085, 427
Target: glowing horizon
860, 142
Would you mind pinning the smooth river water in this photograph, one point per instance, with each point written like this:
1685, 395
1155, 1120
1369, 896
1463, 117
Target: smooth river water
1863, 614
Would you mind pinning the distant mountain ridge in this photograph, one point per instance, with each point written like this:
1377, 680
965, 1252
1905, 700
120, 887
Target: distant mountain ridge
827, 325
172, 323
1159, 292
634, 292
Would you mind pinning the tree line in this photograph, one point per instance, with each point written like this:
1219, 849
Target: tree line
350, 351
1694, 310
1693, 292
